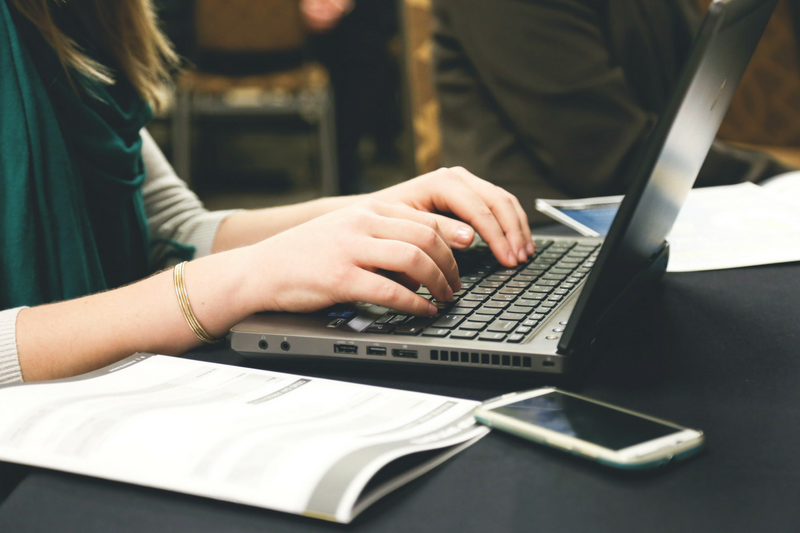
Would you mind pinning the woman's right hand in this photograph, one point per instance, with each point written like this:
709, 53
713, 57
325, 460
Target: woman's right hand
339, 257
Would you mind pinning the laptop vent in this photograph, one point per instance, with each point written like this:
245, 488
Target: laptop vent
475, 358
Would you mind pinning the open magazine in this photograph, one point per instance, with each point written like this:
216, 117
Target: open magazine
321, 448
718, 227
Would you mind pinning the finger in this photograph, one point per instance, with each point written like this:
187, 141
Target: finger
456, 233
373, 288
451, 194
501, 204
424, 238
402, 279
530, 247
405, 258
419, 228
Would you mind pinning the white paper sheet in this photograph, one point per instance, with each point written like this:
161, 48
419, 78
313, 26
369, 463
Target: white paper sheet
285, 442
734, 226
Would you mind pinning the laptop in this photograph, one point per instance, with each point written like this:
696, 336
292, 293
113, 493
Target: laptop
543, 315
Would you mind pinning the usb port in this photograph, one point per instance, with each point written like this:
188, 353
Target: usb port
376, 350
408, 354
345, 348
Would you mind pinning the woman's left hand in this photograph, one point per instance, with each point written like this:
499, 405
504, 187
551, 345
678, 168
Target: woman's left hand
494, 213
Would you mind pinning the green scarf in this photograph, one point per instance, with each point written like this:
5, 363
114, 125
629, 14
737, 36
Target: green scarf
72, 218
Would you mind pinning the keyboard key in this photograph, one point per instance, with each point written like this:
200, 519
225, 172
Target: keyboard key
482, 290
545, 283
491, 284
564, 271
379, 328
530, 322
459, 310
481, 318
511, 290
518, 284
528, 302
507, 272
467, 304
474, 297
496, 277
524, 329
516, 338
472, 326
504, 297
384, 319
414, 326
519, 309
398, 319
558, 277
470, 279
543, 289
541, 244
497, 304
435, 332
524, 277
543, 310
513, 316
488, 311
492, 336
463, 334
448, 321
502, 325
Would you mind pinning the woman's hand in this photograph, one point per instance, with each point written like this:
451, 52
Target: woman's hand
340, 257
494, 213
324, 15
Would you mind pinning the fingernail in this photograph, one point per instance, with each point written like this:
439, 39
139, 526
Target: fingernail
512, 259
521, 255
531, 249
432, 309
464, 235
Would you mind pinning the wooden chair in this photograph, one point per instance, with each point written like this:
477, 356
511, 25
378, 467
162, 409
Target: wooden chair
417, 35
258, 28
765, 111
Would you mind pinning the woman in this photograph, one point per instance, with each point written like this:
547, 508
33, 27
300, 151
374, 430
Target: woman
88, 203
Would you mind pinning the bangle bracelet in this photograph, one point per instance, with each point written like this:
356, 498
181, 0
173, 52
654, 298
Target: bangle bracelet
179, 280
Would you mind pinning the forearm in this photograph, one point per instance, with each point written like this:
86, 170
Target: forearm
76, 336
249, 227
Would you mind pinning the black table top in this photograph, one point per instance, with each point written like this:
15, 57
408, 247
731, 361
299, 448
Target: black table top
716, 351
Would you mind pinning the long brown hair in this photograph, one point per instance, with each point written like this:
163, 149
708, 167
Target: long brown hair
128, 28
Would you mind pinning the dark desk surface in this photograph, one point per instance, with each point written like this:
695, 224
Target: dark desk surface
715, 350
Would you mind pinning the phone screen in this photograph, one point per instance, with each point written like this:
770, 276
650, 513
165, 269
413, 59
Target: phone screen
585, 420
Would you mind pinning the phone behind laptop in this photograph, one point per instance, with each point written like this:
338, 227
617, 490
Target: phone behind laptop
595, 430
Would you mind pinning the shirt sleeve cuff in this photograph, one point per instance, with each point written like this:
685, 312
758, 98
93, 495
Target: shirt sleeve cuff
9, 358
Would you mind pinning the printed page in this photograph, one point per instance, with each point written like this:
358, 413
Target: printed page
733, 226
285, 442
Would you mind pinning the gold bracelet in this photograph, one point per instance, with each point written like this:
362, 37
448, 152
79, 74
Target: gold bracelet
179, 280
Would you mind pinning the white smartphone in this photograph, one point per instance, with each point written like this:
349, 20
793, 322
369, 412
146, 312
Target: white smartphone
595, 430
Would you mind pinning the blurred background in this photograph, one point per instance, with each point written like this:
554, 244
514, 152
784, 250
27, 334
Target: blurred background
286, 100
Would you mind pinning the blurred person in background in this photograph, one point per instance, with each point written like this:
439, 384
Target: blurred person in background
352, 39
90, 209
553, 99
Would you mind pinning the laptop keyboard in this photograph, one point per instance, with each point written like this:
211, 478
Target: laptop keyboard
499, 304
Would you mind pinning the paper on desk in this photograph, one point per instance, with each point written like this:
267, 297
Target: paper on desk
290, 443
734, 226
730, 226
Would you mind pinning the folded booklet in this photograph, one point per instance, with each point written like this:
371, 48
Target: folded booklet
718, 227
321, 448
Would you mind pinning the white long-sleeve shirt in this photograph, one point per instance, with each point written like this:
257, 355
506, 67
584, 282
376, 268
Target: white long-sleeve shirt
173, 212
